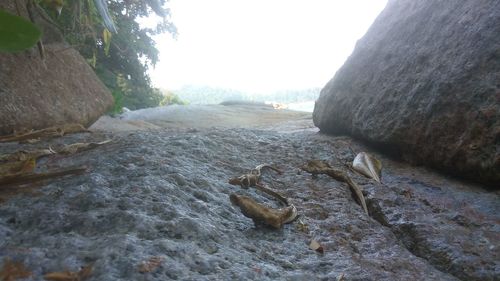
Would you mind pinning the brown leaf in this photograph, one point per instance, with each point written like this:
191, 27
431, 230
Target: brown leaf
17, 167
321, 167
31, 141
150, 265
12, 271
23, 155
80, 146
301, 226
55, 131
31, 177
61, 276
261, 214
407, 193
316, 246
28, 166
81, 275
86, 271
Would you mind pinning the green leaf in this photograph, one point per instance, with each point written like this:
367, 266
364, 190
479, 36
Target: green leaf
16, 33
106, 36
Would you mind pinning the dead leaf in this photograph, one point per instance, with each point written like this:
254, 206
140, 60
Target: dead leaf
301, 226
61, 276
31, 177
28, 167
407, 193
22, 155
22, 131
316, 167
81, 275
31, 141
341, 277
367, 165
55, 131
316, 246
17, 167
12, 271
150, 265
80, 146
261, 214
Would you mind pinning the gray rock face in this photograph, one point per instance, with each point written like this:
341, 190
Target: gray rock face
165, 194
36, 94
424, 82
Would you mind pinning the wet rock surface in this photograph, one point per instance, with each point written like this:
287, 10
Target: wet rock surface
165, 194
424, 83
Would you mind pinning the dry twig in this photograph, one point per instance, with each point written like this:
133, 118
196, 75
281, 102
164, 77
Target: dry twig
321, 167
27, 178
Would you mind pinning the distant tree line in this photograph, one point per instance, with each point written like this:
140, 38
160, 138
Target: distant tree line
211, 95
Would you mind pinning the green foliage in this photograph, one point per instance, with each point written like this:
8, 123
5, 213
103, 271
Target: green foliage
118, 106
170, 98
16, 33
120, 59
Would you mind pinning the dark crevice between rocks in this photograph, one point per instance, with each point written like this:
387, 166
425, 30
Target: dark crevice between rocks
398, 153
409, 236
391, 151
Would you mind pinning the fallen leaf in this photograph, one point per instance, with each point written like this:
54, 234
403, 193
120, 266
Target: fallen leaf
150, 265
22, 131
407, 193
61, 276
12, 271
86, 271
31, 141
32, 177
341, 277
301, 226
56, 131
80, 146
261, 214
81, 275
23, 155
314, 245
316, 167
17, 167
28, 166
367, 165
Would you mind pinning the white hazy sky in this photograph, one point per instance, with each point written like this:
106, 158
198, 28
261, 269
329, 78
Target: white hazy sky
260, 45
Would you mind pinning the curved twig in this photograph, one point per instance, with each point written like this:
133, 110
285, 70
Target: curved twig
321, 167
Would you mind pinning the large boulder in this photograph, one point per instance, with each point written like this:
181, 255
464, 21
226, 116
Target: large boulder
424, 83
61, 89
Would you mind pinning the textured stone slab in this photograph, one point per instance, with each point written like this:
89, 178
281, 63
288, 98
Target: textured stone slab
424, 83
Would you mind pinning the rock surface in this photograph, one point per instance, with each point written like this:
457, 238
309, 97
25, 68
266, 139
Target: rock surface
34, 95
424, 82
165, 194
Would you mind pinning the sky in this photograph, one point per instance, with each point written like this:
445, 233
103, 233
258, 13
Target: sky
260, 45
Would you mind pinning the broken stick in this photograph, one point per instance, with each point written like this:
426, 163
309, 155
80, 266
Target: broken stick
56, 131
252, 178
26, 178
263, 214
321, 167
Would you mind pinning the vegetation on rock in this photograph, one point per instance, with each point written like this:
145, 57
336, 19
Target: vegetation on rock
120, 51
